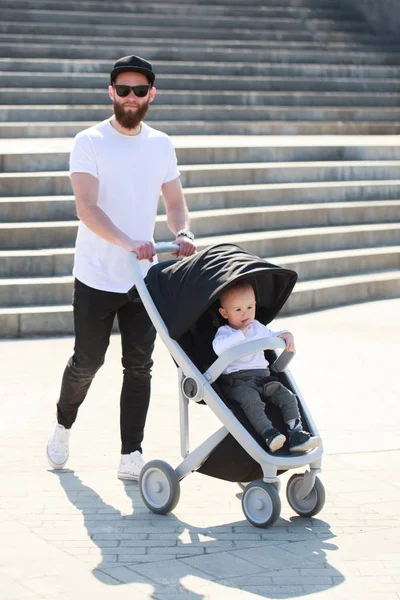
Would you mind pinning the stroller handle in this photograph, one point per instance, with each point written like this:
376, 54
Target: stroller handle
165, 247
229, 356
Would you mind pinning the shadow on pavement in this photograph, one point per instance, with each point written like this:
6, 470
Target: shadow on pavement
125, 535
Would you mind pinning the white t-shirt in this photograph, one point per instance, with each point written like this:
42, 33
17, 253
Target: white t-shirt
228, 337
130, 171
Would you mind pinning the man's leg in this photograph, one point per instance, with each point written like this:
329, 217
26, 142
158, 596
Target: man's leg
94, 313
137, 338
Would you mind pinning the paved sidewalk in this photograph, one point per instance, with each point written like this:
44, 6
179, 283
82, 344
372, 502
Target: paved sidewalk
83, 533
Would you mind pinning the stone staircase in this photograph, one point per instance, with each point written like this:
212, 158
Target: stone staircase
283, 115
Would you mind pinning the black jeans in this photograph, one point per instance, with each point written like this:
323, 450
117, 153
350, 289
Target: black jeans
94, 313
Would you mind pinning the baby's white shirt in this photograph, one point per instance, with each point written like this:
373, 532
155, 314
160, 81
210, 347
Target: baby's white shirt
228, 337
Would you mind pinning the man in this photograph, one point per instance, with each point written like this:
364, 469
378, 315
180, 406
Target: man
118, 168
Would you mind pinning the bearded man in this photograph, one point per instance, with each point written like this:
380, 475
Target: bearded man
118, 168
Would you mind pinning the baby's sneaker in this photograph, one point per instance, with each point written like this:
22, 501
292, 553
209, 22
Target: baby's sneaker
130, 466
301, 441
274, 439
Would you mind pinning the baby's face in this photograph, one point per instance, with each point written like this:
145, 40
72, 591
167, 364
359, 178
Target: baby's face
239, 308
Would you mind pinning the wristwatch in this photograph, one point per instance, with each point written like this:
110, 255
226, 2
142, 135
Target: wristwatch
186, 233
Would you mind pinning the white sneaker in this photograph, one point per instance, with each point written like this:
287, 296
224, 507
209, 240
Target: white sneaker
131, 465
58, 446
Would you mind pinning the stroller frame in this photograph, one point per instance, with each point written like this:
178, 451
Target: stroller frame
159, 483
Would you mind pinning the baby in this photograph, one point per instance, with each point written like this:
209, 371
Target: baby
246, 381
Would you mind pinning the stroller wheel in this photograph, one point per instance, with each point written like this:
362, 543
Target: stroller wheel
159, 487
311, 504
261, 503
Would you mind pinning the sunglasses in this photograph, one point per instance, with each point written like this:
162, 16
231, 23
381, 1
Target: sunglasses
139, 90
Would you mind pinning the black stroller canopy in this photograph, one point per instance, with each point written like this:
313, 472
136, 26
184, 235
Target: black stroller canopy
183, 290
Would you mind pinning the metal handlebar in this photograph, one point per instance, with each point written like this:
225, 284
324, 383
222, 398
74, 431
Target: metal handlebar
165, 247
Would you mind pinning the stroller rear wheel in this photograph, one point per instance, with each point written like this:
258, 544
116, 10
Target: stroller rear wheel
159, 487
312, 503
261, 503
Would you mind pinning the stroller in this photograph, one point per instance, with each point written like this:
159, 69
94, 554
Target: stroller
181, 298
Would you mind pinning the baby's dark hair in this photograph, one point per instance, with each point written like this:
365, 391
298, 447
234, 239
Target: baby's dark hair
238, 286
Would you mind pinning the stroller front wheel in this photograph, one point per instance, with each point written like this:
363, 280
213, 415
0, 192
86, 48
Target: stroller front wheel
311, 504
261, 503
159, 487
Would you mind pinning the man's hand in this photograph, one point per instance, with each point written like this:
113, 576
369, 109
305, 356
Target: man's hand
187, 247
144, 250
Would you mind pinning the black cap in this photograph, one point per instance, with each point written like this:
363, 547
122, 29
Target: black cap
133, 63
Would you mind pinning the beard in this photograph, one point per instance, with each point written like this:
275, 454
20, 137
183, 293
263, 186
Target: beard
129, 118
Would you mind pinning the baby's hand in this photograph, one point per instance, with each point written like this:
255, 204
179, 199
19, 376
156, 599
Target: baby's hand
289, 340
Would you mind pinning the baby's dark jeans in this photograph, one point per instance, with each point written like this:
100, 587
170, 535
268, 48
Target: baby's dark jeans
248, 389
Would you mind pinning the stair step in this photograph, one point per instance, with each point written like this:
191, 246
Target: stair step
30, 155
284, 193
86, 82
340, 263
98, 99
232, 196
204, 222
192, 176
44, 291
272, 218
277, 8
36, 263
327, 293
355, 114
171, 58
319, 128
318, 4
54, 69
315, 238
77, 49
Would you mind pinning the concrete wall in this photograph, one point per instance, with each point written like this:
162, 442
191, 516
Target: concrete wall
384, 15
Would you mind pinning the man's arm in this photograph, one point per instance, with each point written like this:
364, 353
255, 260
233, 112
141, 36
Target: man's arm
177, 214
86, 191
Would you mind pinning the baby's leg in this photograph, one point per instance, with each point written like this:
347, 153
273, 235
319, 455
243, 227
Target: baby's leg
299, 440
284, 399
247, 394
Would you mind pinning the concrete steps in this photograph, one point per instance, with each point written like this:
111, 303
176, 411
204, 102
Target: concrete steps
260, 100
